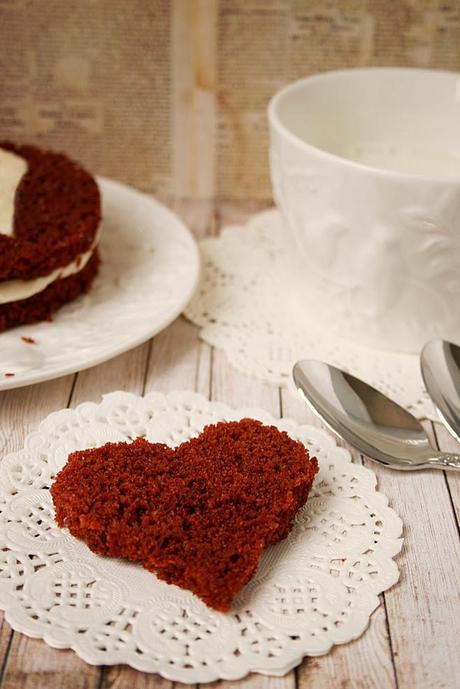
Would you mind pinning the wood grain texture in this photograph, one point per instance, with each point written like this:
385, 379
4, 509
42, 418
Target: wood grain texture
448, 444
412, 639
367, 662
171, 361
256, 682
34, 665
126, 372
233, 388
29, 663
423, 609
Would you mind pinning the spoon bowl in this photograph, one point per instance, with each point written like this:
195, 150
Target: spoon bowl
367, 419
440, 366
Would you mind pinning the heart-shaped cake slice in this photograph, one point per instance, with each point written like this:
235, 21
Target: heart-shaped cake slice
199, 515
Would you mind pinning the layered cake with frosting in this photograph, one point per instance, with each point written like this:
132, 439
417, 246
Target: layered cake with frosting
50, 211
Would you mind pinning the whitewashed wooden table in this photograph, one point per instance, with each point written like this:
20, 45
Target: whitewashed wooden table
413, 641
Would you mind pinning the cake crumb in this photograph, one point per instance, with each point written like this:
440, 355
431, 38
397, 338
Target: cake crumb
8, 375
28, 340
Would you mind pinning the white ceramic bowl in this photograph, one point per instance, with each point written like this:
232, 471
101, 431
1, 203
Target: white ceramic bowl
365, 168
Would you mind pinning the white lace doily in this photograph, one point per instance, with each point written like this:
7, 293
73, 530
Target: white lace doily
315, 589
247, 305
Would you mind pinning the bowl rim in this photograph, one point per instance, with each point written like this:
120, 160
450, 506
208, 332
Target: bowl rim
276, 123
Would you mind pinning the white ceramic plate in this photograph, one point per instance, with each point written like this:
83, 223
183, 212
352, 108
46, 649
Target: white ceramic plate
150, 266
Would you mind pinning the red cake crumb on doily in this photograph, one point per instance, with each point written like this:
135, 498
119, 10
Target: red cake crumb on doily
200, 515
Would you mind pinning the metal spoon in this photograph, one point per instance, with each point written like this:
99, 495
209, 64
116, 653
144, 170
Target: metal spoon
367, 419
440, 364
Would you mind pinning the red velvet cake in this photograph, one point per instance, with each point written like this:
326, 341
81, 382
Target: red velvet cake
50, 210
200, 515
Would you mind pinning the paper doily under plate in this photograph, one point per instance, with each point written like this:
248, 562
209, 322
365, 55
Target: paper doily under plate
246, 305
315, 589
149, 269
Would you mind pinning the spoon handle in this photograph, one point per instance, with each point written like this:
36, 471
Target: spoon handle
446, 461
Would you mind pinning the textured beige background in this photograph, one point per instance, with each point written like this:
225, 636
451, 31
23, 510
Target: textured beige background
170, 96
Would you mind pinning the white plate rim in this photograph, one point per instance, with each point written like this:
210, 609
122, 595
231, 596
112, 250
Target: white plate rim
124, 344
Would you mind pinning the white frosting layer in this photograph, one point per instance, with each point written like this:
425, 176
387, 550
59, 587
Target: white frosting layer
14, 290
12, 169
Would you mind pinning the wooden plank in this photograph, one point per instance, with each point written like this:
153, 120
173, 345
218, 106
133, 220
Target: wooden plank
234, 388
126, 372
257, 682
24, 408
177, 360
367, 662
448, 444
6, 638
231, 386
30, 663
422, 608
34, 665
123, 677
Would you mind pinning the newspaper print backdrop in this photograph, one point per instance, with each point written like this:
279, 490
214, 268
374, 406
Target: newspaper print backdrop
170, 96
